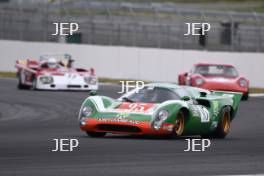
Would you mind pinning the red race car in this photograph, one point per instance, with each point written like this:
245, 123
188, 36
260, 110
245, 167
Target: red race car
221, 77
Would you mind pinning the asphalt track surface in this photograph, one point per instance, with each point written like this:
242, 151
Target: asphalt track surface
30, 120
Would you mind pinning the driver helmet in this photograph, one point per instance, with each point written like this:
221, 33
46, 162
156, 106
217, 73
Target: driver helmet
52, 63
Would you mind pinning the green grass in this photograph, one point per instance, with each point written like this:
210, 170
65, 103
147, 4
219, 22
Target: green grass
117, 81
256, 90
7, 74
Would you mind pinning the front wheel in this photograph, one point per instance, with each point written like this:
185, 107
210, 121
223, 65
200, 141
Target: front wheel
96, 134
179, 125
245, 96
34, 83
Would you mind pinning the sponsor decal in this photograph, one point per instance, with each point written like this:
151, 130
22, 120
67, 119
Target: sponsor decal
195, 111
204, 114
122, 115
168, 127
214, 125
119, 120
135, 107
216, 108
140, 108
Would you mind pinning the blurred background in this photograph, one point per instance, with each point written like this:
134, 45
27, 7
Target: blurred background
236, 25
137, 39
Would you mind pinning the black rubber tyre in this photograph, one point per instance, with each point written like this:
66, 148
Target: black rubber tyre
223, 125
179, 125
245, 96
34, 85
96, 134
20, 85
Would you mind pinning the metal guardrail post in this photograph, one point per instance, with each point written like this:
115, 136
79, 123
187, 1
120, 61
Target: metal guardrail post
109, 15
232, 31
259, 30
181, 30
158, 20
134, 42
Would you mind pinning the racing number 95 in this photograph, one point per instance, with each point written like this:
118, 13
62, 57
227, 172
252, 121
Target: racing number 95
136, 107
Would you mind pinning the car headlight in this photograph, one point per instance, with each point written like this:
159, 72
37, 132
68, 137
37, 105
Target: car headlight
90, 80
82, 121
86, 111
160, 117
46, 79
243, 83
199, 81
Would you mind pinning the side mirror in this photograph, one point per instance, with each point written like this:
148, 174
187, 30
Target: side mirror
185, 98
92, 93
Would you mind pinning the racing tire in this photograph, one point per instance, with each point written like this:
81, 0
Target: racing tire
245, 96
20, 85
96, 134
34, 84
223, 126
179, 125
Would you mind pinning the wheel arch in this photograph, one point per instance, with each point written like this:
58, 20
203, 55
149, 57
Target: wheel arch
230, 109
186, 112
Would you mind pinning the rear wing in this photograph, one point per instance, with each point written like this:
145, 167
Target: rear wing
236, 97
27, 64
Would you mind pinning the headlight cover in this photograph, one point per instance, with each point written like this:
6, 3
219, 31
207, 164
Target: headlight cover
162, 115
86, 111
46, 79
199, 81
82, 121
90, 80
242, 83
159, 119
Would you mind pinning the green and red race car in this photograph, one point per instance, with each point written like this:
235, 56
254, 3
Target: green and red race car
161, 109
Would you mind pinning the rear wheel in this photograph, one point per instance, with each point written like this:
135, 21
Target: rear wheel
179, 125
96, 134
20, 85
223, 126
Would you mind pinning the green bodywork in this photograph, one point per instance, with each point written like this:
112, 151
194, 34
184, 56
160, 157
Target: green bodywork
202, 111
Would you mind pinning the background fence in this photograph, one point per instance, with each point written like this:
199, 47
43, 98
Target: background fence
158, 25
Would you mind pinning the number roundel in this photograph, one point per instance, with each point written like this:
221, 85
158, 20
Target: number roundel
204, 114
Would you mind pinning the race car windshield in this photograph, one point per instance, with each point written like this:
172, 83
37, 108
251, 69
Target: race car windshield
151, 95
216, 70
53, 65
50, 65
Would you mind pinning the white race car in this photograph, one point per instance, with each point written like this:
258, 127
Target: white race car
54, 72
